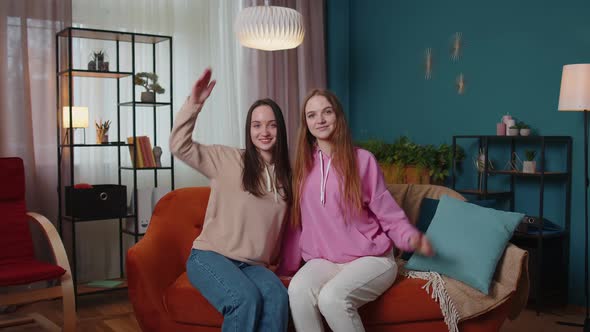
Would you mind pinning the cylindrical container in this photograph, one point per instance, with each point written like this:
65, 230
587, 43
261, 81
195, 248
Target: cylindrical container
505, 118
510, 123
500, 129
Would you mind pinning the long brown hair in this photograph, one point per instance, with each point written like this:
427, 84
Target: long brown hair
343, 158
253, 163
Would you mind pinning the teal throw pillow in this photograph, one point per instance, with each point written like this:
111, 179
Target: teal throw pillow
468, 241
427, 209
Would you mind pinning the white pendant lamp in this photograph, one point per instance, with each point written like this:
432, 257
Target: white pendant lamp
269, 28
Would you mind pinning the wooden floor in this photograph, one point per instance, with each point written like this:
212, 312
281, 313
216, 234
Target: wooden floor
106, 312
112, 312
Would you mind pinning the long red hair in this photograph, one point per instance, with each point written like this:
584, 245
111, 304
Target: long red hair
343, 158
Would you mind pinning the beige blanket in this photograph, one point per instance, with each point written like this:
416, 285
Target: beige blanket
458, 301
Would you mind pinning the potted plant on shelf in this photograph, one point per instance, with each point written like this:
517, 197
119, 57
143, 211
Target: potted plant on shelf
525, 130
97, 61
513, 131
102, 131
150, 83
529, 165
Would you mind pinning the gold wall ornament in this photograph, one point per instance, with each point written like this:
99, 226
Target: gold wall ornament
428, 63
456, 46
460, 83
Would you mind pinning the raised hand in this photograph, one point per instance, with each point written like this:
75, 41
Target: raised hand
202, 88
421, 245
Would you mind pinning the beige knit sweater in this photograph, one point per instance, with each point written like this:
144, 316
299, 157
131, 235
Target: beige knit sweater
237, 224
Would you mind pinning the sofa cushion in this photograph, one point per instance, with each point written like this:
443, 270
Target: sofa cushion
405, 301
468, 241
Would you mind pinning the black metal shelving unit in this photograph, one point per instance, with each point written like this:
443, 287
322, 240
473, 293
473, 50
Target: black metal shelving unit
548, 250
65, 72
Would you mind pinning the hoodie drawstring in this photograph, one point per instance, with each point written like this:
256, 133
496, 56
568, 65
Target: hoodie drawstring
324, 179
270, 183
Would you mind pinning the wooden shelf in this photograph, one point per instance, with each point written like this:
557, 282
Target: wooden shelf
84, 289
120, 77
113, 35
532, 138
536, 174
110, 144
129, 168
79, 219
132, 233
95, 73
142, 104
546, 234
483, 193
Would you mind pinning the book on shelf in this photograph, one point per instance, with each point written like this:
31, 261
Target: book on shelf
145, 155
147, 152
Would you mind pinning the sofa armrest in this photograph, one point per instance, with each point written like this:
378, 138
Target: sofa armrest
150, 270
157, 260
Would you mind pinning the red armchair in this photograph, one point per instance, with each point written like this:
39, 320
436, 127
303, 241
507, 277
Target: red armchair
18, 265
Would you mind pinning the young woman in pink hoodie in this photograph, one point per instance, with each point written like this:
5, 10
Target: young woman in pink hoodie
345, 223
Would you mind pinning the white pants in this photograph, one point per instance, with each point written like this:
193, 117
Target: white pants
336, 291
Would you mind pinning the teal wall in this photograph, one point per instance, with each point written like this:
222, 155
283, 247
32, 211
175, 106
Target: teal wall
512, 60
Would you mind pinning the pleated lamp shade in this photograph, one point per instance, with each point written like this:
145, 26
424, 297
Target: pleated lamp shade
574, 94
269, 28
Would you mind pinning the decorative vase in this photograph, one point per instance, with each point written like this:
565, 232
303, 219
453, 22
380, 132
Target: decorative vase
148, 97
529, 166
525, 132
102, 137
500, 129
104, 66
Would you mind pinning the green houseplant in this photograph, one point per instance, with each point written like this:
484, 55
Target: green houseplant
384, 155
525, 130
404, 161
149, 81
529, 165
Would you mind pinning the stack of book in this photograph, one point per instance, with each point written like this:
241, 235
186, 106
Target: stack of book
145, 155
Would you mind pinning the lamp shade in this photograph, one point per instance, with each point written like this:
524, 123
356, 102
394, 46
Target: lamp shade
574, 94
269, 28
79, 117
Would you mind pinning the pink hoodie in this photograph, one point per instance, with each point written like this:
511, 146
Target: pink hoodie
329, 233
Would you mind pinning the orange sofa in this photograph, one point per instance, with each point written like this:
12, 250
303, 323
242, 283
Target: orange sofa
164, 300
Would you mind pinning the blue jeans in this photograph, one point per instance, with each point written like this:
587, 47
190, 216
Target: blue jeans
250, 297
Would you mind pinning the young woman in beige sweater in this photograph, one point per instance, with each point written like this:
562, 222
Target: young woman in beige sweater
250, 194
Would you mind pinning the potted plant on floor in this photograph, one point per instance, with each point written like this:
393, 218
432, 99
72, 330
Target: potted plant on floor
150, 83
529, 165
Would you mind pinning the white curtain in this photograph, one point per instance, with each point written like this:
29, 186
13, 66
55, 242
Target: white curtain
202, 32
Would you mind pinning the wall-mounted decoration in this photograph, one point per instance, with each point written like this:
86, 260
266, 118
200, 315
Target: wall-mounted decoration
460, 83
428, 63
456, 46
